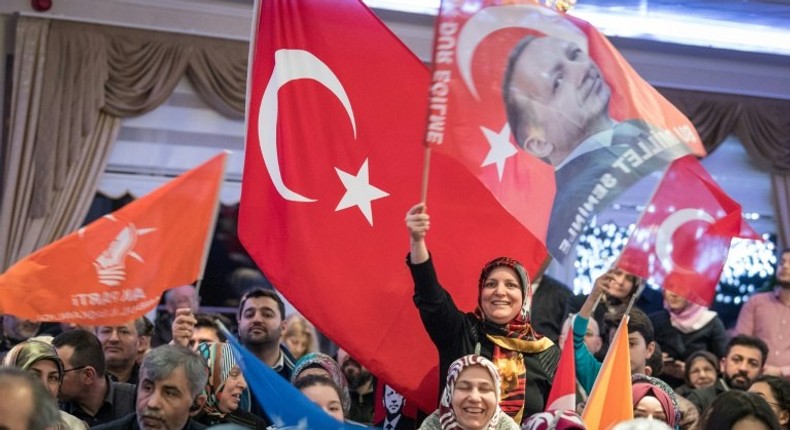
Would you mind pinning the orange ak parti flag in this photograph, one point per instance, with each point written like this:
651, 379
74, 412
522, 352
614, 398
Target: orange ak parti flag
611, 398
116, 268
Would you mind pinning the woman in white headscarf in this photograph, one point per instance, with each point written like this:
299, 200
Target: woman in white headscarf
470, 400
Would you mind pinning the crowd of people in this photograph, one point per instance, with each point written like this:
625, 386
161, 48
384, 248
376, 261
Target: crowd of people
497, 364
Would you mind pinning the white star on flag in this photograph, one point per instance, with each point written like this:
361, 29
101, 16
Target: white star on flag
359, 192
501, 148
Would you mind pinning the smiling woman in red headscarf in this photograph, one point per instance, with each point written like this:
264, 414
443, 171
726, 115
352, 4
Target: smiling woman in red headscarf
498, 329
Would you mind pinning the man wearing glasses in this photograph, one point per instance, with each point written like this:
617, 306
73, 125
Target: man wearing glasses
87, 392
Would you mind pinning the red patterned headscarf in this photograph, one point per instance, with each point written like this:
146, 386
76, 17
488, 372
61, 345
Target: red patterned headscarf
512, 340
523, 280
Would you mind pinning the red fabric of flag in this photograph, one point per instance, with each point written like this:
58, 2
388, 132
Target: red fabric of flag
333, 162
682, 240
532, 101
563, 391
116, 268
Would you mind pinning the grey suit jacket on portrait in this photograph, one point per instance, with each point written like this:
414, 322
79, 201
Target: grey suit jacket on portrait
582, 181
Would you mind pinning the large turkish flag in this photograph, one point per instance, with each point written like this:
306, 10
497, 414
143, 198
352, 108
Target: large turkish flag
683, 238
334, 155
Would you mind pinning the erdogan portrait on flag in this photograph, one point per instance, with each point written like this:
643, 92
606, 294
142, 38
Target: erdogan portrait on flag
569, 101
557, 103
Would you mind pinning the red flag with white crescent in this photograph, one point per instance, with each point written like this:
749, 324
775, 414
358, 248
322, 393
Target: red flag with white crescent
334, 155
683, 238
533, 101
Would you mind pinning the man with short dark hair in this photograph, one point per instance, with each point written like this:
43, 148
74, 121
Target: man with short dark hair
120, 344
206, 330
261, 319
171, 379
767, 316
26, 404
190, 330
361, 387
87, 392
742, 363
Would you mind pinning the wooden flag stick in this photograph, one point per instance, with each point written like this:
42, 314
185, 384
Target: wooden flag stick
426, 169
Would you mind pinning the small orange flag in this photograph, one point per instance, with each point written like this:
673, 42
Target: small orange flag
610, 400
116, 268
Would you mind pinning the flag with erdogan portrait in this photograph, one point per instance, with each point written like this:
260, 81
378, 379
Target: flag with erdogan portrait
682, 240
334, 155
546, 113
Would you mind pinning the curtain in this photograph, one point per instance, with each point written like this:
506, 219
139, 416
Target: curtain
763, 127
780, 185
72, 85
18, 153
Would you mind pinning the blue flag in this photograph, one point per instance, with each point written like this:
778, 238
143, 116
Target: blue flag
284, 404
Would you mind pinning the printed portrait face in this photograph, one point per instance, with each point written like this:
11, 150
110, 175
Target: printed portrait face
393, 401
562, 94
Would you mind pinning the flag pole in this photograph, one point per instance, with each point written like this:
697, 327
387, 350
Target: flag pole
597, 302
212, 226
635, 297
426, 169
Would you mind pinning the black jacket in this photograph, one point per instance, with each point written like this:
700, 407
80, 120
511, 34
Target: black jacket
456, 334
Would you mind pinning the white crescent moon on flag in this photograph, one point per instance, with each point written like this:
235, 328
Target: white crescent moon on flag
494, 18
291, 65
563, 403
668, 228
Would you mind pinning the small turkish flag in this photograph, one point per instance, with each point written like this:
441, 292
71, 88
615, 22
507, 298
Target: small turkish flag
563, 391
682, 240
333, 162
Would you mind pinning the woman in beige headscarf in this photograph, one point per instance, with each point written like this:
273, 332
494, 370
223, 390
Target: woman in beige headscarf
470, 400
41, 359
